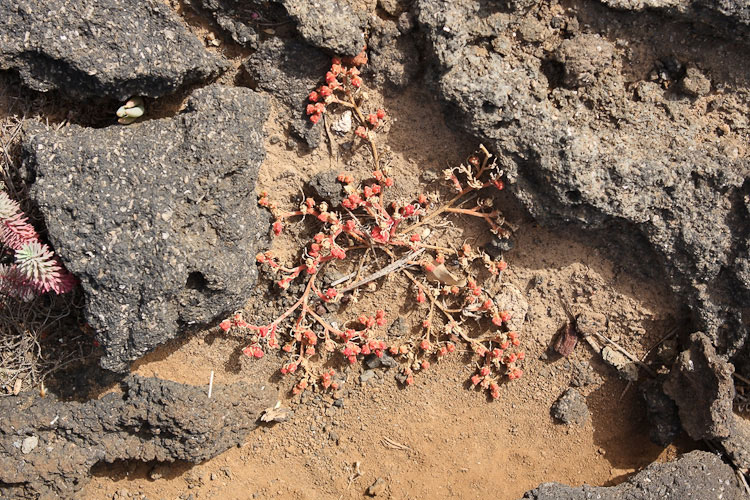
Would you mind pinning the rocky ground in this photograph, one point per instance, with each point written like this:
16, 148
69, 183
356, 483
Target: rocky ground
621, 129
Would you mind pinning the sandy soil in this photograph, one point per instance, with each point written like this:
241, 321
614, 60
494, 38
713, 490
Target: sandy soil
437, 439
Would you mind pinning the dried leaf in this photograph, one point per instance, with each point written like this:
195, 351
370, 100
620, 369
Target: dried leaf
276, 413
441, 274
566, 340
17, 386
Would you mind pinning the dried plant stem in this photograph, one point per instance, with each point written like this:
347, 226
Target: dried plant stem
364, 122
628, 354
395, 266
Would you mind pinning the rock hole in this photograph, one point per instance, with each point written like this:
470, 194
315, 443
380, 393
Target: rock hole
574, 196
196, 281
554, 71
489, 108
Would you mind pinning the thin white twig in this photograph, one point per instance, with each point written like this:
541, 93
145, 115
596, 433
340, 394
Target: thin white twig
210, 384
626, 353
386, 270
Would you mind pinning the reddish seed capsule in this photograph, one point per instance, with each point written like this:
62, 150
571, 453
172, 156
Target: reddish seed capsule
424, 345
502, 265
389, 182
425, 364
315, 118
475, 380
521, 356
325, 91
420, 297
361, 132
505, 316
225, 325
484, 371
380, 113
313, 96
450, 346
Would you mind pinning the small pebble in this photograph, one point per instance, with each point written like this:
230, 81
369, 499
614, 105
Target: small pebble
377, 488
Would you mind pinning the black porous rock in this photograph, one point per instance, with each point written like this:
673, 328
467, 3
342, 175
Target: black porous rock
48, 447
102, 48
393, 56
289, 70
728, 18
328, 24
697, 474
497, 246
661, 412
236, 17
570, 408
324, 186
700, 375
158, 220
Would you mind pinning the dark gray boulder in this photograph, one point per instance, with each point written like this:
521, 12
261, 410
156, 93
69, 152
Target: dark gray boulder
328, 24
158, 220
697, 475
48, 447
102, 48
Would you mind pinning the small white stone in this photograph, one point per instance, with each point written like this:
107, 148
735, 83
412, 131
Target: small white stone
29, 444
344, 124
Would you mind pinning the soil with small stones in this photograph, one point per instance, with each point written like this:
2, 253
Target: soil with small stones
438, 438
